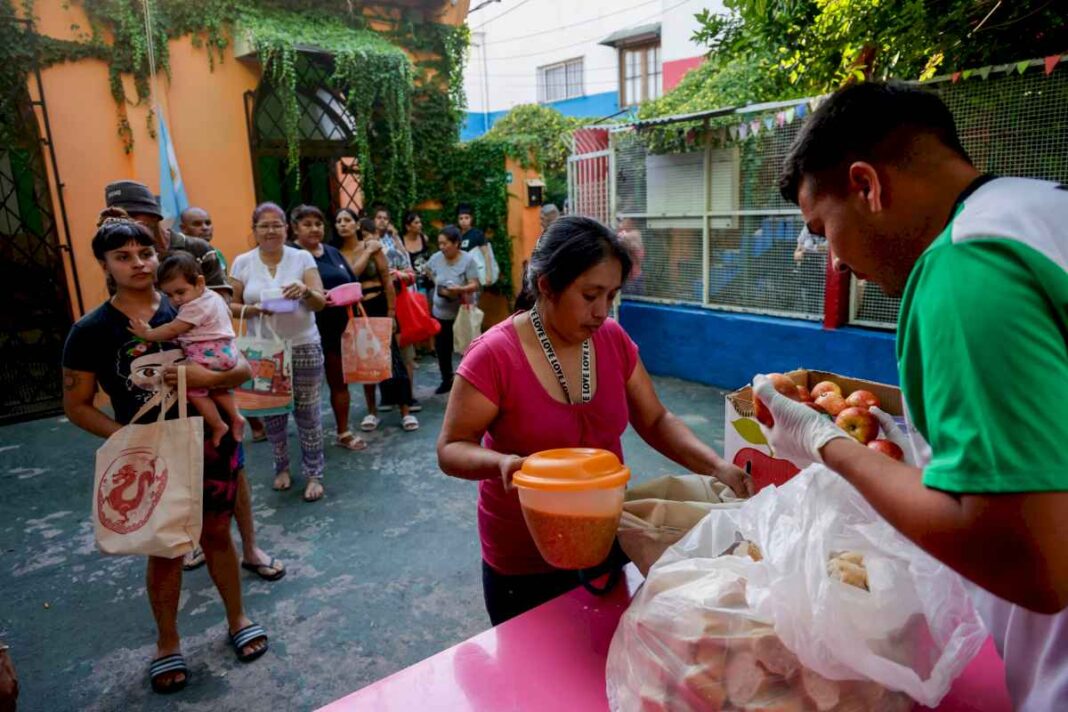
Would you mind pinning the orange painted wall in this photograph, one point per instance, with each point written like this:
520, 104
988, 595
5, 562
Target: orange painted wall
206, 117
205, 114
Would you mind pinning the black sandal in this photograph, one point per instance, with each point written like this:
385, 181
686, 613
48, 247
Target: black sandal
250, 633
278, 570
168, 664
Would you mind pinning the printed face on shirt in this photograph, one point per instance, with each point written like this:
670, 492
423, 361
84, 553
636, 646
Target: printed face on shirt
181, 291
146, 366
309, 232
464, 221
581, 309
132, 266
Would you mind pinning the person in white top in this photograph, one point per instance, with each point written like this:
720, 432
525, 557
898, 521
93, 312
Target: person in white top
204, 331
276, 268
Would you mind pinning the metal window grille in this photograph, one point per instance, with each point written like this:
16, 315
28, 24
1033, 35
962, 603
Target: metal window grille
715, 231
561, 81
1010, 124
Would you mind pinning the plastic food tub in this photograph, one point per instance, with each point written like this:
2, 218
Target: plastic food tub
572, 499
344, 295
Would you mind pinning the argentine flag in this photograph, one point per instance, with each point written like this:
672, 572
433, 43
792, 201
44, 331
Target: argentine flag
172, 196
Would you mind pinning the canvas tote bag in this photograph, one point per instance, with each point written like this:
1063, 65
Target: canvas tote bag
270, 390
467, 328
365, 348
149, 486
658, 513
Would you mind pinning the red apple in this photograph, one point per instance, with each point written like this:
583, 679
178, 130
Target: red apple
825, 387
783, 384
863, 399
804, 394
859, 423
815, 407
831, 403
887, 448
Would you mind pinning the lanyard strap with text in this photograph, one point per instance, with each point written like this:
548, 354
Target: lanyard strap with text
554, 362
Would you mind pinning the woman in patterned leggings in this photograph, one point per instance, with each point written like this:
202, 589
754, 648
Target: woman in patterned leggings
276, 267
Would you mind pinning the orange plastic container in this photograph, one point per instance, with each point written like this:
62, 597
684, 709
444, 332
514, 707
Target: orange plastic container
572, 499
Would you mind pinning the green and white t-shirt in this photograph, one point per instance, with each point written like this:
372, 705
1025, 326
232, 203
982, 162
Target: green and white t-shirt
983, 356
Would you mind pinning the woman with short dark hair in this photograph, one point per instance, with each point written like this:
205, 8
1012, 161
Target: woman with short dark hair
560, 375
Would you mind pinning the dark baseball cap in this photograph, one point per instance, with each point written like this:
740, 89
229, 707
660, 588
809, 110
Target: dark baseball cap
133, 197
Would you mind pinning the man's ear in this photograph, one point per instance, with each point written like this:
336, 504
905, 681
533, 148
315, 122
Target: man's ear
864, 183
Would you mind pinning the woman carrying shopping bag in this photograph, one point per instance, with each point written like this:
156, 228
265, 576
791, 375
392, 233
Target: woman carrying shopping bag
290, 279
455, 276
100, 351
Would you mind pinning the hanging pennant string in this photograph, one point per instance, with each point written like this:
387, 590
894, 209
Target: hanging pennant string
150, 45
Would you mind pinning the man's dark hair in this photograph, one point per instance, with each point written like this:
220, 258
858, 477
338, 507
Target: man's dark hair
571, 246
381, 209
180, 264
870, 121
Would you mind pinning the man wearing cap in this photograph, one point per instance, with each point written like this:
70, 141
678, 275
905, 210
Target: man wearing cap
141, 205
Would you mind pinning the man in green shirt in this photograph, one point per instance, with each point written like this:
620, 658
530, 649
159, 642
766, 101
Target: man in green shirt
981, 264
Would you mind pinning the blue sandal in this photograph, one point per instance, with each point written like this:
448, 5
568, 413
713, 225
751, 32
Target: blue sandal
246, 635
168, 664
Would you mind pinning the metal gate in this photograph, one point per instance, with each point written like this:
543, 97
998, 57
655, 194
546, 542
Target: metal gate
37, 311
328, 176
589, 175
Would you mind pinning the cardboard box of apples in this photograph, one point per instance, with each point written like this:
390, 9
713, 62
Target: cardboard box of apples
844, 399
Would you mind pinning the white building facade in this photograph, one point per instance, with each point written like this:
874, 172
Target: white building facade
588, 58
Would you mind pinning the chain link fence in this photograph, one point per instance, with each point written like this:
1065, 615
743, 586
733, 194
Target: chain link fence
703, 200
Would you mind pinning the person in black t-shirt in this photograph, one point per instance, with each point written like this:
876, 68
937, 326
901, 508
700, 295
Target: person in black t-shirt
101, 351
470, 236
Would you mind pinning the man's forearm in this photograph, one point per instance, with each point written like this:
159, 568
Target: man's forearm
993, 549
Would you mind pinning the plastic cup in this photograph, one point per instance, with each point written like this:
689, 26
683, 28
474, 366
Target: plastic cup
572, 499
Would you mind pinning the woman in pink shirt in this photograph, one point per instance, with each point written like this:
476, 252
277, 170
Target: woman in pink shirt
560, 375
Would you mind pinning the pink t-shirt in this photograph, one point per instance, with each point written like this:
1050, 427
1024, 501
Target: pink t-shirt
530, 420
210, 317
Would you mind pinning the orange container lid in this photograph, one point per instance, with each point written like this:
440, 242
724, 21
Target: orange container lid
572, 469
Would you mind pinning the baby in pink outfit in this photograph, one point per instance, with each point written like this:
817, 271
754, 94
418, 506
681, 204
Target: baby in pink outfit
204, 330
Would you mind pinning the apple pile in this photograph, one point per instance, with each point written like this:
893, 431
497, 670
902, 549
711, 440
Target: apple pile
851, 413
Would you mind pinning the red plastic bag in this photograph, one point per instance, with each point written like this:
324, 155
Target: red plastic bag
413, 316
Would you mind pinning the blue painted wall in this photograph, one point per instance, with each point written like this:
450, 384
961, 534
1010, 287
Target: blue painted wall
590, 106
727, 349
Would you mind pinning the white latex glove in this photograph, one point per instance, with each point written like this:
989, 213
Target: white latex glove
894, 434
799, 431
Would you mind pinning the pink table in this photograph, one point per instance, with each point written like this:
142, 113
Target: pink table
553, 658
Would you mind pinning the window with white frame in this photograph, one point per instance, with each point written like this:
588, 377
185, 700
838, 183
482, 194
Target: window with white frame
639, 74
563, 80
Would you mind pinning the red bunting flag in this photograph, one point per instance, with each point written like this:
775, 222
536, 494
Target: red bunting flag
955, 77
1051, 62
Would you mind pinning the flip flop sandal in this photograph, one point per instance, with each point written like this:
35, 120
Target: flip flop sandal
168, 664
369, 423
350, 441
282, 489
306, 498
259, 437
246, 635
275, 567
194, 560
410, 423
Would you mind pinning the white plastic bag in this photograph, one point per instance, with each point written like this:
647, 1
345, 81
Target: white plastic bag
702, 612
